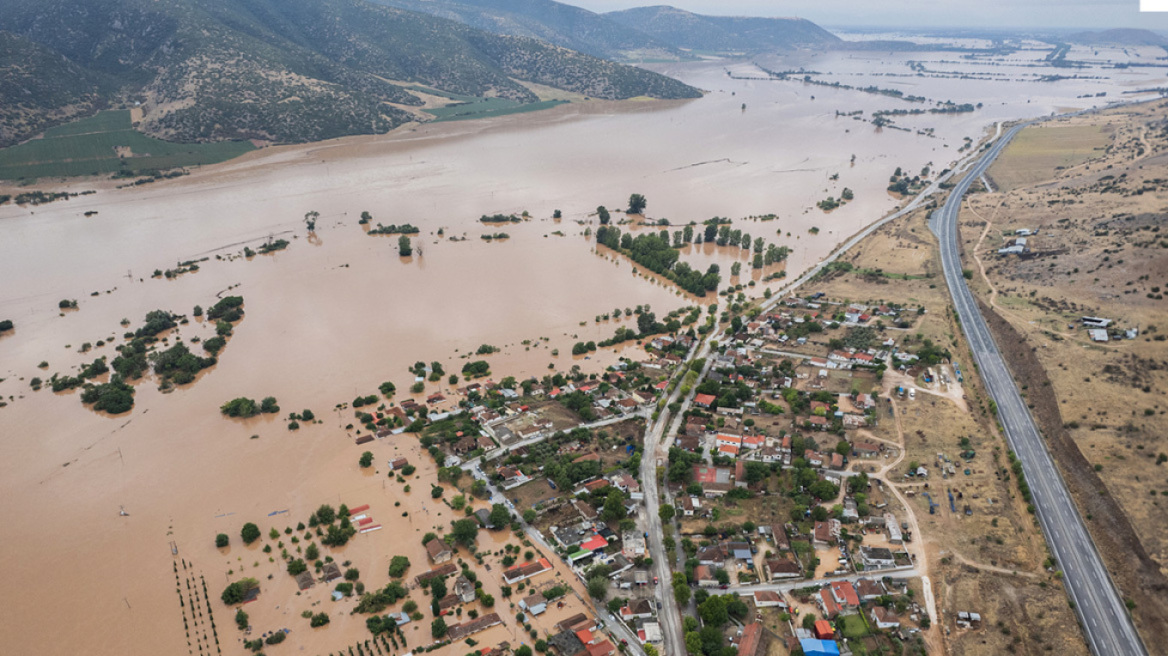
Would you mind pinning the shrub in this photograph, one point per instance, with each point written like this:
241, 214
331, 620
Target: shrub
366, 460
240, 407
276, 638
250, 533
5, 325
221, 540
235, 592
320, 619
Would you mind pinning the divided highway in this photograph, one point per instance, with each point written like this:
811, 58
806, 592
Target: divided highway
1103, 616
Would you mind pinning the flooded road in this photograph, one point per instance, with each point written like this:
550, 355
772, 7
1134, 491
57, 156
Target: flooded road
336, 314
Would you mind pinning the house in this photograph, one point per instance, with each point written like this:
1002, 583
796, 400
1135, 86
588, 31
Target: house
769, 599
331, 572
566, 643
705, 577
869, 589
782, 542
304, 580
690, 443
586, 511
713, 555
814, 459
460, 631
511, 475
704, 400
445, 570
464, 589
570, 536
728, 450
851, 509
783, 568
817, 422
633, 544
876, 558
884, 618
864, 401
594, 543
826, 533
648, 630
398, 464
603, 648
484, 517
753, 441
865, 449
534, 604
598, 484
523, 572
689, 505
845, 595
637, 609
837, 461
823, 630
751, 643
438, 551
626, 483
827, 603
739, 551
893, 528
813, 647
725, 439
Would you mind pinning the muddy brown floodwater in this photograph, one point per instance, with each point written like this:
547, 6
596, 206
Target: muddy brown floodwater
335, 315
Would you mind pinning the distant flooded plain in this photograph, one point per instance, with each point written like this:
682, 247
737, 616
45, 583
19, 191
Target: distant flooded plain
338, 312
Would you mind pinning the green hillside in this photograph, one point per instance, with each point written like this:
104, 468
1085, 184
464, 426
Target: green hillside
274, 70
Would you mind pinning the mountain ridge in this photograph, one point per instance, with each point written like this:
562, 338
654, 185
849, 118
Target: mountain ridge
276, 70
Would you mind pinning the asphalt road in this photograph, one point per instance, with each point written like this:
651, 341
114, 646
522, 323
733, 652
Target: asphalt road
1101, 612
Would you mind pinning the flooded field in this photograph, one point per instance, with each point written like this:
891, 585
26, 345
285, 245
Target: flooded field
337, 313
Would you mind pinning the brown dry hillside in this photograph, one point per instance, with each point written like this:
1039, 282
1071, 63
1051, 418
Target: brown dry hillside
1096, 211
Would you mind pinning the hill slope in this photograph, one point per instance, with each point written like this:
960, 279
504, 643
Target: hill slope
692, 31
278, 70
1119, 37
555, 22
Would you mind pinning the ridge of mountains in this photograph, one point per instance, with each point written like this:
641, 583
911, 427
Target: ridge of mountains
273, 70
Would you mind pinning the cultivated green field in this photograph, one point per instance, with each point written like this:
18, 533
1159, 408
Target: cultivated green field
87, 147
468, 107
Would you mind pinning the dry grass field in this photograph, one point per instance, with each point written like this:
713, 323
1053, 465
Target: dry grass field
1038, 152
1100, 252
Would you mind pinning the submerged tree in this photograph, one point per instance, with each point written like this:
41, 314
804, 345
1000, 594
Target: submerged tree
637, 204
403, 246
310, 220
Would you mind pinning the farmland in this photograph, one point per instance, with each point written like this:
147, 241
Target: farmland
106, 143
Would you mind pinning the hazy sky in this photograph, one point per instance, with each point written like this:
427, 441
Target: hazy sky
1089, 14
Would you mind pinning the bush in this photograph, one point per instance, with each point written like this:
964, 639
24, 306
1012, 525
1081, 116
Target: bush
268, 405
398, 566
250, 533
276, 638
5, 325
221, 540
240, 407
235, 592
366, 460
418, 387
320, 619
241, 619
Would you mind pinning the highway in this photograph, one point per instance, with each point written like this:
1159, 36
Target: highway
1101, 612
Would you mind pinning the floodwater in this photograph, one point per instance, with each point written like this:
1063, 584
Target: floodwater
338, 313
